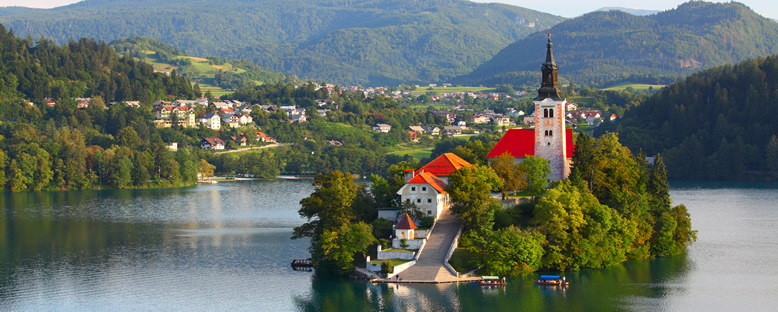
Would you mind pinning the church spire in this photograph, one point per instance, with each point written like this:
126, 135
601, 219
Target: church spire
549, 86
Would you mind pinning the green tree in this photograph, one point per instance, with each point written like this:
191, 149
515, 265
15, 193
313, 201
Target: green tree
330, 204
335, 249
470, 190
657, 183
513, 178
537, 169
509, 251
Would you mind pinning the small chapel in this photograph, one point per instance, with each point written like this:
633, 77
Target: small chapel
550, 139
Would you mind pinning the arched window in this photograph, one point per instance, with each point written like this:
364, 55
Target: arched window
550, 113
545, 113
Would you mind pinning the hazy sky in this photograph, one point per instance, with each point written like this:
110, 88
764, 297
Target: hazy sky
566, 8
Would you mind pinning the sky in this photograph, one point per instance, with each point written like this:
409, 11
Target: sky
566, 8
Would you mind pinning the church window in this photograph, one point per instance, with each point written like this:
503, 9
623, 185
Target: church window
550, 113
550, 132
545, 113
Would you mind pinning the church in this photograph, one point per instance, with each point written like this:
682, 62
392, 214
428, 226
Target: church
550, 139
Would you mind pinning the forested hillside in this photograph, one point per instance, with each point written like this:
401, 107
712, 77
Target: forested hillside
342, 41
64, 147
210, 73
718, 124
604, 46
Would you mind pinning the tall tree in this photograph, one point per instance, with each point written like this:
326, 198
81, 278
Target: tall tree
512, 175
470, 190
537, 170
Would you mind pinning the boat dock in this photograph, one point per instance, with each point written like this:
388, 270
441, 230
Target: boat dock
432, 265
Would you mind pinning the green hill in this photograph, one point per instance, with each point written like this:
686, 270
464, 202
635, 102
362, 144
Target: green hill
604, 46
214, 74
719, 124
369, 42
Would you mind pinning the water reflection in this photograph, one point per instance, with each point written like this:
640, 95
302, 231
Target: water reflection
227, 247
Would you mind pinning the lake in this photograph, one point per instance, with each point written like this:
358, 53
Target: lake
227, 247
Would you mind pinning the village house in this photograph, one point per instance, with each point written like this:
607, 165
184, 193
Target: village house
426, 187
212, 144
418, 129
262, 137
211, 121
414, 136
297, 118
168, 116
479, 119
382, 128
239, 140
231, 120
83, 102
431, 130
452, 130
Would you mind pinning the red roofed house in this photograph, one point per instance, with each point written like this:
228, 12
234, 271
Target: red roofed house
426, 187
405, 228
550, 139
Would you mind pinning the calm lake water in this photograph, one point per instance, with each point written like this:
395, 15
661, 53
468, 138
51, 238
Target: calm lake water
226, 247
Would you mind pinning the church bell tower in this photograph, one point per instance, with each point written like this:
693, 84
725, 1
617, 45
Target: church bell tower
550, 130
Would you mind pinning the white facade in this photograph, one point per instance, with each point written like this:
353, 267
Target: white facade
550, 136
426, 198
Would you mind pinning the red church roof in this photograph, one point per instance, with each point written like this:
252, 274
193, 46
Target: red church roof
520, 143
431, 179
405, 223
445, 165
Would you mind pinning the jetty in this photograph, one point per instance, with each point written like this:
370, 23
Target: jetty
432, 265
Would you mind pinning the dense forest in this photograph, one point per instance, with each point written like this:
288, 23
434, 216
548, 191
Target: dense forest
63, 147
345, 42
603, 46
719, 124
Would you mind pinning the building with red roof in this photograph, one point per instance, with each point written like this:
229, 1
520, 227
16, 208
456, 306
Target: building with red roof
405, 228
550, 139
426, 187
443, 166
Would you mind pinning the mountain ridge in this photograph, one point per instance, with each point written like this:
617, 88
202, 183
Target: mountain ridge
379, 41
604, 46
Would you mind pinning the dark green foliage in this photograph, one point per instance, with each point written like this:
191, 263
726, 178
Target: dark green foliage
470, 189
368, 42
508, 251
336, 225
717, 124
606, 46
65, 147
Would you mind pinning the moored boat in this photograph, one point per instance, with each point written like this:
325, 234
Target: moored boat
552, 280
491, 281
302, 264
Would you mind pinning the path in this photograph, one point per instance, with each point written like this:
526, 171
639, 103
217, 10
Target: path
430, 268
252, 148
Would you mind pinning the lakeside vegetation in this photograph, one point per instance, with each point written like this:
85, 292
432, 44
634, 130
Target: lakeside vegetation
59, 147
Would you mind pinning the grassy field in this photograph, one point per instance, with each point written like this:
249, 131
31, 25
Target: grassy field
415, 152
199, 70
636, 86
